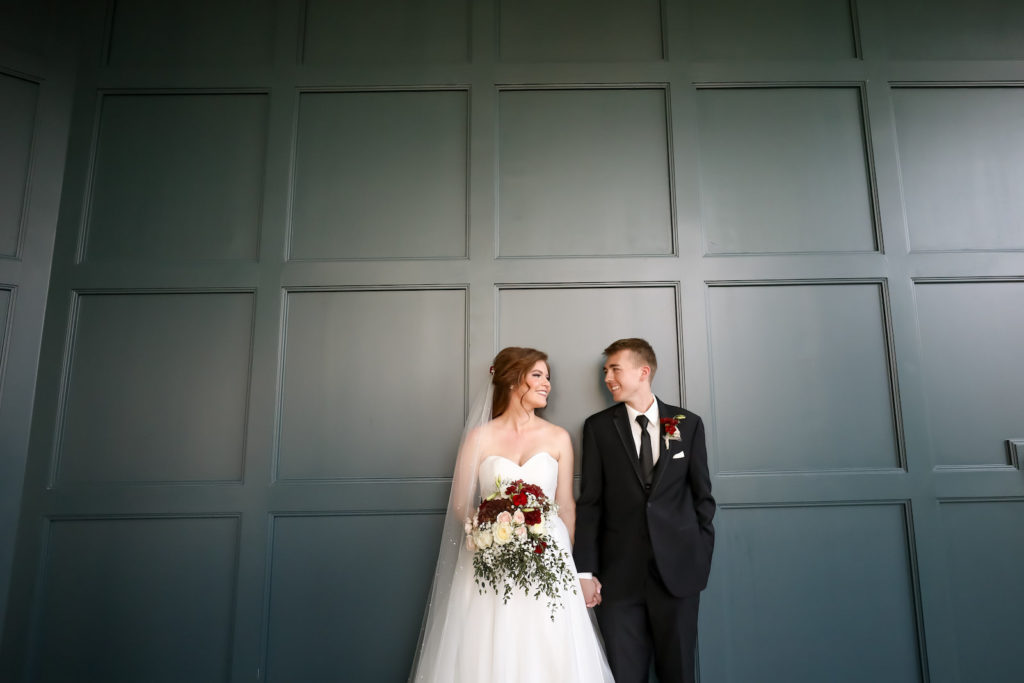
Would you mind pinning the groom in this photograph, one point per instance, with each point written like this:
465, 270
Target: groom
643, 522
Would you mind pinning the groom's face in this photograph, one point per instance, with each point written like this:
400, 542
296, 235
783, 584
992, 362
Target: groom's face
624, 376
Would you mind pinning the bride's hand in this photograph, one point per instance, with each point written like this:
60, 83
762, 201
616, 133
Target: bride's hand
591, 591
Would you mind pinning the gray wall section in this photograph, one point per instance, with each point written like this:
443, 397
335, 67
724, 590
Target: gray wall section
211, 149
36, 74
831, 611
293, 233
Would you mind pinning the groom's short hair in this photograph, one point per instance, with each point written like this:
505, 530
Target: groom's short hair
642, 350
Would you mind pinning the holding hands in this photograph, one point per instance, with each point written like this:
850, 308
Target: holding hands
591, 591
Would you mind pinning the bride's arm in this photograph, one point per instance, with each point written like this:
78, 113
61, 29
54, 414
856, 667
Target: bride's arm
563, 494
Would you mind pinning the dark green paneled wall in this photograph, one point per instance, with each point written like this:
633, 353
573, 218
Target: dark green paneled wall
37, 53
292, 234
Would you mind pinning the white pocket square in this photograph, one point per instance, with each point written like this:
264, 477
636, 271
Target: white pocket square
678, 455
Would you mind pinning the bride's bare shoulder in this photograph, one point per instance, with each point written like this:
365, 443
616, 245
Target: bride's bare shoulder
559, 439
552, 430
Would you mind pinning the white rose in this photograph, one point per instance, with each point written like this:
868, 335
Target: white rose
502, 533
482, 538
519, 517
537, 529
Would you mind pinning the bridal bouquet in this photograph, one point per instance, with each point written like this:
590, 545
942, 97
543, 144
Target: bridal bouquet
508, 536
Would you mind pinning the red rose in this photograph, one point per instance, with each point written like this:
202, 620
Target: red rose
670, 429
532, 517
513, 487
537, 492
540, 549
519, 499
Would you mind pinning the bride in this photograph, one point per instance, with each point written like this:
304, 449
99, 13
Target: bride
471, 636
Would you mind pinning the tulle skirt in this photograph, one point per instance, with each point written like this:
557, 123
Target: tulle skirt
486, 640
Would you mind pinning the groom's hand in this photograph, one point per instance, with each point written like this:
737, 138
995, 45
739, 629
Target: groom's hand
591, 591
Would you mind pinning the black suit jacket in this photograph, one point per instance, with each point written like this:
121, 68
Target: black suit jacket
619, 523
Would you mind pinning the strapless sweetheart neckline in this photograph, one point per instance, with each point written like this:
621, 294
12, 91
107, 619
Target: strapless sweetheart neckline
525, 463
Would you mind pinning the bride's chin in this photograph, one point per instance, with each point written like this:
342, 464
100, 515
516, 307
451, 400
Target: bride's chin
537, 404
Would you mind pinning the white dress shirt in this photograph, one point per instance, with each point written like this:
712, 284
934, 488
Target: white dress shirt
653, 428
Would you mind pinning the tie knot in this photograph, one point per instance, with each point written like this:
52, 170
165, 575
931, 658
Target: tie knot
642, 421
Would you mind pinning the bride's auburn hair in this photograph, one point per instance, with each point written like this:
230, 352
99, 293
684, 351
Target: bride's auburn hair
509, 370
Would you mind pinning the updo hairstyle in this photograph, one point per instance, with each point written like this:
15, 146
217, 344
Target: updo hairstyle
509, 370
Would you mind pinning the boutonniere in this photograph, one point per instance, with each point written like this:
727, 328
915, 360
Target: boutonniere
670, 428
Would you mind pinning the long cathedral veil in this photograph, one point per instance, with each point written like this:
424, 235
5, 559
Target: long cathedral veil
453, 583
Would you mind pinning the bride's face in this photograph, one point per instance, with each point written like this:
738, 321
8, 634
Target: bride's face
533, 392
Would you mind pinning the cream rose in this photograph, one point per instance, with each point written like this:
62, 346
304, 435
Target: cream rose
482, 538
502, 533
504, 518
537, 529
520, 532
519, 517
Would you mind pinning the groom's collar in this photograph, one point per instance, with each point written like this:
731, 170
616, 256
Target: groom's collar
652, 412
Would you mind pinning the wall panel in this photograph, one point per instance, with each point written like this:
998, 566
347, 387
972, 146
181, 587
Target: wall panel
579, 30
17, 124
784, 170
328, 599
386, 31
780, 353
811, 582
374, 384
951, 29
985, 548
962, 165
970, 336
380, 175
6, 302
122, 599
191, 32
786, 29
138, 364
583, 173
177, 177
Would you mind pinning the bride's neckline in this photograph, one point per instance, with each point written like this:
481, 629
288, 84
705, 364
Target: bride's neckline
522, 464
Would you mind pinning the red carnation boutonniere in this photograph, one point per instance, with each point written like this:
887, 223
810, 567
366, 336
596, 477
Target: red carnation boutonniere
670, 428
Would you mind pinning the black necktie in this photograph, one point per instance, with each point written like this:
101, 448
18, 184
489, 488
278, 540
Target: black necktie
646, 452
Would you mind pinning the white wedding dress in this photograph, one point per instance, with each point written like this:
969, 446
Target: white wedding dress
491, 641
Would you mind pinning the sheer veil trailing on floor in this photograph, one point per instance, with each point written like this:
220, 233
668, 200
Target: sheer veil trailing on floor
449, 597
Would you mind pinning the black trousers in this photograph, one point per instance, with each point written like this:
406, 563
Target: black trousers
651, 623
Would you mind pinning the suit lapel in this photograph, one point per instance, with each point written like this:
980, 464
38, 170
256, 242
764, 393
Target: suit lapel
621, 420
666, 454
